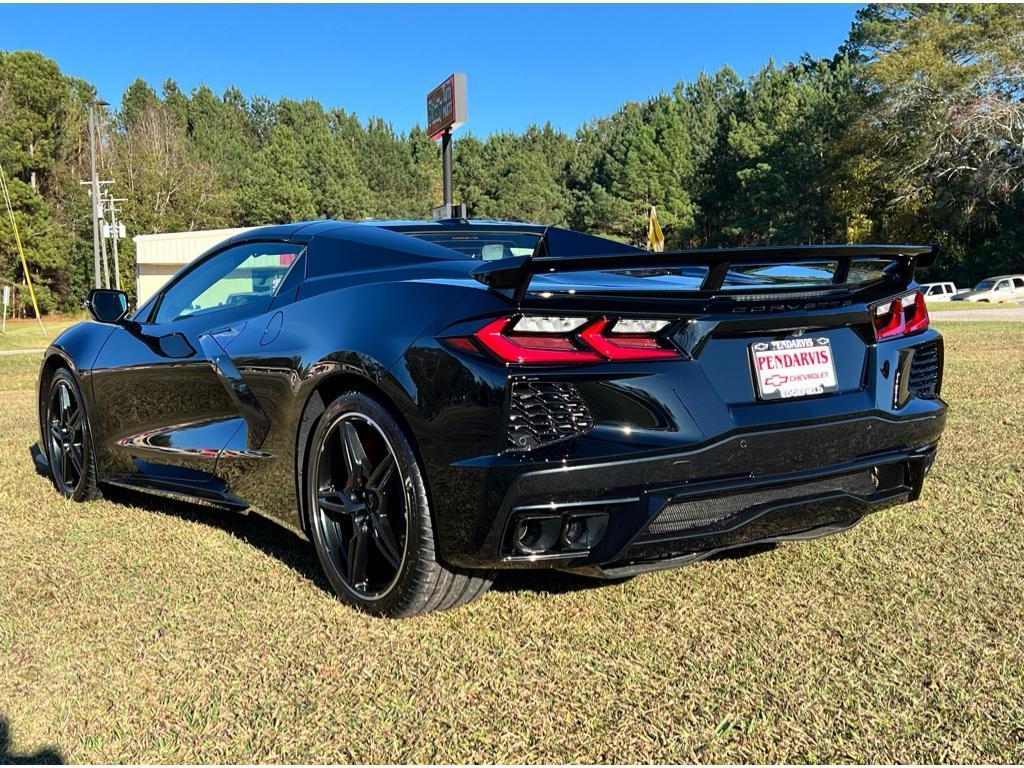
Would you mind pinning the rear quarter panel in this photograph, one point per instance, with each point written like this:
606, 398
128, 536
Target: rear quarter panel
353, 334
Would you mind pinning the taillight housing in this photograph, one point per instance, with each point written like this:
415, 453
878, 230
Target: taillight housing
615, 344
537, 340
903, 316
501, 339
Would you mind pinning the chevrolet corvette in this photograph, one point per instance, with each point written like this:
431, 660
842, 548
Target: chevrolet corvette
429, 403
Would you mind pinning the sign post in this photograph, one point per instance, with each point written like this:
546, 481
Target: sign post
7, 300
446, 111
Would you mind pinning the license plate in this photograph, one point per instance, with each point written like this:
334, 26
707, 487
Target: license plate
798, 367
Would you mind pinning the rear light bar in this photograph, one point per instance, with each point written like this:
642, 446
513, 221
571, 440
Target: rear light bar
903, 316
537, 340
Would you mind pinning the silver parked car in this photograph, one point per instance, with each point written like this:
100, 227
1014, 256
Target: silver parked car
996, 289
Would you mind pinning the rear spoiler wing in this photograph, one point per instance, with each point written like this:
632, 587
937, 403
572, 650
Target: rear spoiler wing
516, 273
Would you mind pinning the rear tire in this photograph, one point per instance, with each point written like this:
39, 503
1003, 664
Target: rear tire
68, 440
370, 516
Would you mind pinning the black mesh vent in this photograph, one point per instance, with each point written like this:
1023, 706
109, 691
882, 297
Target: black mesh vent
544, 412
926, 369
681, 516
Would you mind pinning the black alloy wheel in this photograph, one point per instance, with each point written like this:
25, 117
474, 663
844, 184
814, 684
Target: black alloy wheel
362, 512
68, 448
66, 438
370, 519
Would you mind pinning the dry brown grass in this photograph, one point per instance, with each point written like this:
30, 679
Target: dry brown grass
136, 631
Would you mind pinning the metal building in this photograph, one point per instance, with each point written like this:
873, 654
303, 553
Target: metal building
159, 257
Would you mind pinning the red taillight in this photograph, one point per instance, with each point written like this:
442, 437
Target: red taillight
903, 316
915, 316
624, 346
531, 347
577, 341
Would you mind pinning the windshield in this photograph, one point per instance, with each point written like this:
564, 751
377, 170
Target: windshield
985, 285
482, 244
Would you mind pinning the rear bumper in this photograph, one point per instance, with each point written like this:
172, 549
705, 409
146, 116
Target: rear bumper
669, 509
792, 509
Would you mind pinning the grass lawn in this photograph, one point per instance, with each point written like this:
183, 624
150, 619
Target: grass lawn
148, 632
26, 334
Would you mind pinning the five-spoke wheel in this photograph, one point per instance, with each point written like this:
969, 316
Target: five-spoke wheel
67, 439
361, 506
369, 515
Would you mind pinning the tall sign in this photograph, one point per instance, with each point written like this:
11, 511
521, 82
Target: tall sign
446, 106
446, 111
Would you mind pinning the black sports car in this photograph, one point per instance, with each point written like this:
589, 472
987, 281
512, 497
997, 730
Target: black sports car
430, 402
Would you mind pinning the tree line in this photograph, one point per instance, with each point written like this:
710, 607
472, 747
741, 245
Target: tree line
912, 131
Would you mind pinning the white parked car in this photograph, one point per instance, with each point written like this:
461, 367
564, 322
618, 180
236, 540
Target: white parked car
996, 289
938, 292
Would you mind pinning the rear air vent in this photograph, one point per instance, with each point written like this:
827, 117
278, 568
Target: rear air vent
545, 412
685, 515
926, 369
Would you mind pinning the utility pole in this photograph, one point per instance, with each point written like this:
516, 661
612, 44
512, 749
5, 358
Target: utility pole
103, 250
115, 235
94, 191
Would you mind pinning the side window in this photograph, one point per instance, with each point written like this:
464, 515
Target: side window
1003, 285
948, 288
1018, 282
245, 273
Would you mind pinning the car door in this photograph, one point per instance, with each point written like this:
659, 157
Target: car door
168, 396
1018, 288
1003, 290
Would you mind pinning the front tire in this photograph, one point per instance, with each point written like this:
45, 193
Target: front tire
370, 516
68, 441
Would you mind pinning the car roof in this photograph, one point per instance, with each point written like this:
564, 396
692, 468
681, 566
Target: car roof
307, 229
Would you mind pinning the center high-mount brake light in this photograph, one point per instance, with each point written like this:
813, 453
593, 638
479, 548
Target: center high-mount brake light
903, 316
537, 340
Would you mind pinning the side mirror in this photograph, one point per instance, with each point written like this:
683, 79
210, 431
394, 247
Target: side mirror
107, 306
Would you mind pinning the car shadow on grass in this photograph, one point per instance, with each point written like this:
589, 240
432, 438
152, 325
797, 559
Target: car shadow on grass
46, 756
267, 536
299, 555
257, 531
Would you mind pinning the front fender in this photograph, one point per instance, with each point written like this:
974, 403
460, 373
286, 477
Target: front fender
76, 348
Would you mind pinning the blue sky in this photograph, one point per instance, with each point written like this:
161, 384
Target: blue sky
524, 63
